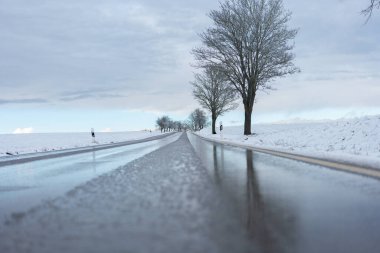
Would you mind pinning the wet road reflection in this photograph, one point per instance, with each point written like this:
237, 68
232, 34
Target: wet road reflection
289, 206
25, 185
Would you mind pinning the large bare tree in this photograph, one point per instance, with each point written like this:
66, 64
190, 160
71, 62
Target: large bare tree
251, 42
212, 90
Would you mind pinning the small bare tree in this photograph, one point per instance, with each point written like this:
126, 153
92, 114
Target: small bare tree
178, 126
373, 5
197, 120
212, 90
251, 42
164, 123
160, 124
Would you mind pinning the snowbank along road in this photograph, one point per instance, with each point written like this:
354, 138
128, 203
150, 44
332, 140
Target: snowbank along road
199, 196
354, 141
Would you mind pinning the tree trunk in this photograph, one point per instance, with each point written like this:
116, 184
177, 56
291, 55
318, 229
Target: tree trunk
213, 117
247, 119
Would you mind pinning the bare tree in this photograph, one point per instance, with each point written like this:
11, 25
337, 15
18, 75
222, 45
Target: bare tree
197, 120
164, 123
172, 125
374, 4
191, 122
251, 42
160, 124
201, 118
178, 125
214, 93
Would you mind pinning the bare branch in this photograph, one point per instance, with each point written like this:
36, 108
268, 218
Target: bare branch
374, 4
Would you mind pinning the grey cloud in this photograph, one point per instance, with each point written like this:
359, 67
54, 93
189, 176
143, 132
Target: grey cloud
90, 96
23, 101
136, 53
60, 46
97, 94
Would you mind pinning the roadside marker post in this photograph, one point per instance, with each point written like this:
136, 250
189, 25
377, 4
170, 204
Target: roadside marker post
93, 135
221, 129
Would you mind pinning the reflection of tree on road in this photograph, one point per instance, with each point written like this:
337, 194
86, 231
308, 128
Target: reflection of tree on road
268, 219
256, 222
217, 177
218, 161
265, 218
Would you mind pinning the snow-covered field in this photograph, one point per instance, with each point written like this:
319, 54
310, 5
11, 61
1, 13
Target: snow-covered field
355, 140
32, 143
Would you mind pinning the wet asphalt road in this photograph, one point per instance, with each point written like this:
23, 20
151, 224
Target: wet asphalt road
25, 185
202, 197
290, 206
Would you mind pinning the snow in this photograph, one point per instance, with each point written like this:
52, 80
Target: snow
355, 141
41, 142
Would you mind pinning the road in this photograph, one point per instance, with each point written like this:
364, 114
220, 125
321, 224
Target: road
291, 206
192, 196
25, 158
30, 180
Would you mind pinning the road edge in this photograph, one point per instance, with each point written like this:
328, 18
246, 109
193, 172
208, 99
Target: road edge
74, 151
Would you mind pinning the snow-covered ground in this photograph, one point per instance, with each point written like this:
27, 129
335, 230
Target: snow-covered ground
33, 143
355, 141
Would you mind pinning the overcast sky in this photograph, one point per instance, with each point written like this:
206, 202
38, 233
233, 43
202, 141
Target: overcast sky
117, 64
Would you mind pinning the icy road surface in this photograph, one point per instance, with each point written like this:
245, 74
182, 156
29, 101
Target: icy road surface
213, 198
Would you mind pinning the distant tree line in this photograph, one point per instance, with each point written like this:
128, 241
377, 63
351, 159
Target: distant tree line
196, 121
166, 124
